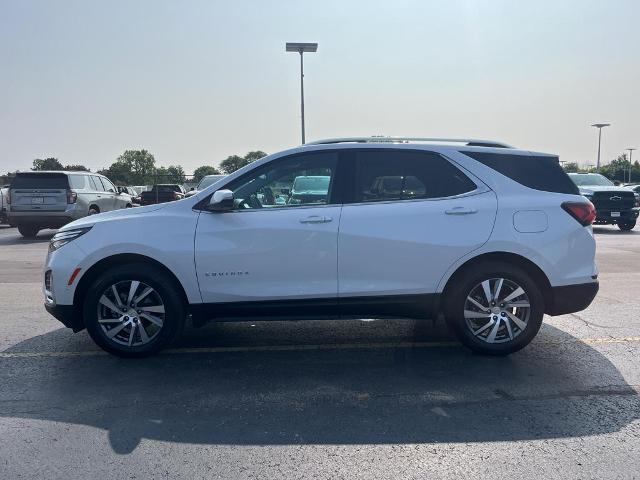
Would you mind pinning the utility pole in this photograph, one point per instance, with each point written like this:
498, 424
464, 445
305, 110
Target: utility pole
599, 126
301, 48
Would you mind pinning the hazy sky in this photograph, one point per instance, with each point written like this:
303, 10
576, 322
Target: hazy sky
196, 81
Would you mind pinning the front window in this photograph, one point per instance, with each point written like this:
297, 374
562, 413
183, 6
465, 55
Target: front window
590, 179
296, 181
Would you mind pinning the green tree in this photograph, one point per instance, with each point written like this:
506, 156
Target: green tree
235, 162
47, 164
617, 169
200, 172
139, 165
76, 168
571, 167
175, 174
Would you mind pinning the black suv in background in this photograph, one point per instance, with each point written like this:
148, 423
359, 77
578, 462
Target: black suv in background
614, 205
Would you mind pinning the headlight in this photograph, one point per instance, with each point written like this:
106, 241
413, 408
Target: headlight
62, 238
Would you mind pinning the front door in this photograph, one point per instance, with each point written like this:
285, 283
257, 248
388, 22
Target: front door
281, 240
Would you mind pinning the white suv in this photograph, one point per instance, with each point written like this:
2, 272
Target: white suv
491, 236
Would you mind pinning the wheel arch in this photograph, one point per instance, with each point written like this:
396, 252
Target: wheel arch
113, 261
507, 257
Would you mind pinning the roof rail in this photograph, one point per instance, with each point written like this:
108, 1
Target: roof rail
382, 139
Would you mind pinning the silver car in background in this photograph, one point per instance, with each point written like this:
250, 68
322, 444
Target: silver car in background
40, 200
204, 183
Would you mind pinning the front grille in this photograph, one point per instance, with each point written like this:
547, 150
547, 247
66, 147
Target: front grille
613, 200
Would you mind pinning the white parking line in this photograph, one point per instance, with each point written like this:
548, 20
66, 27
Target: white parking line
292, 348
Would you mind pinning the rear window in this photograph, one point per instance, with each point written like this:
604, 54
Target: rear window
40, 181
538, 172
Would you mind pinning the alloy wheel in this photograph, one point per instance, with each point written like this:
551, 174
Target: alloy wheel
131, 313
497, 310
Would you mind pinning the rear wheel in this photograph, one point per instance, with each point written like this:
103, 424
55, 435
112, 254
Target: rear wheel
626, 226
93, 210
495, 308
134, 310
28, 231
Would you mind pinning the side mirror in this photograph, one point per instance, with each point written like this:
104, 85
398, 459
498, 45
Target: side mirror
221, 201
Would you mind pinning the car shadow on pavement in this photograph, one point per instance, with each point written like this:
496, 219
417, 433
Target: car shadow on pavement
17, 239
613, 231
304, 383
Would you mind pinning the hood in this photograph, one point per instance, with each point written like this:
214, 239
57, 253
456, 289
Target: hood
112, 215
590, 189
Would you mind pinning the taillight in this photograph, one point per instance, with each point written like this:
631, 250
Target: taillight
584, 213
71, 196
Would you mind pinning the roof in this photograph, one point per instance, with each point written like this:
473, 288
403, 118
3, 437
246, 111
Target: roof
63, 172
469, 142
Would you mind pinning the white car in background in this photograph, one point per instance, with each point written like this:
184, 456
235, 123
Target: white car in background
491, 236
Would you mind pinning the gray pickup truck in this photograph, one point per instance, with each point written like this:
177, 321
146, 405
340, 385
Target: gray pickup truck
40, 200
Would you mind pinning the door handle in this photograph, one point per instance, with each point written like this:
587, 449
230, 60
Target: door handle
316, 219
461, 211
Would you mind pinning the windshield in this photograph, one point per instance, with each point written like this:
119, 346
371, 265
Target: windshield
208, 180
586, 179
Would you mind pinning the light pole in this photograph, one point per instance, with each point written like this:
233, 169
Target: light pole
630, 153
599, 126
301, 48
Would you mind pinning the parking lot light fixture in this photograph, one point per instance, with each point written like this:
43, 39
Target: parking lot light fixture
631, 149
599, 126
301, 48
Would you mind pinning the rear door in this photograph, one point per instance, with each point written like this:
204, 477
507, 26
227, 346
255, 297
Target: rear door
39, 192
100, 198
412, 214
111, 201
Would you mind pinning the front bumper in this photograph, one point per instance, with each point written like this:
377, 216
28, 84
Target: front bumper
67, 314
571, 298
604, 216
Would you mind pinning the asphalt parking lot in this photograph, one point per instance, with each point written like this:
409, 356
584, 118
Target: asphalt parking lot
323, 399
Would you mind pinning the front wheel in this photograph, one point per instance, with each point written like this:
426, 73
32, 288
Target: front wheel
495, 308
626, 226
134, 310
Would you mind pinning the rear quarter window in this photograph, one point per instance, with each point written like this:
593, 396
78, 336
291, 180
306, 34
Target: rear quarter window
78, 182
539, 172
40, 181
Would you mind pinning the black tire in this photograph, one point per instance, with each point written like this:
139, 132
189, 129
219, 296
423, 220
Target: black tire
28, 231
456, 298
626, 226
162, 283
93, 210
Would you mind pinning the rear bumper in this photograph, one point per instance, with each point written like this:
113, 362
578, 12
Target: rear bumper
67, 314
41, 220
571, 298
